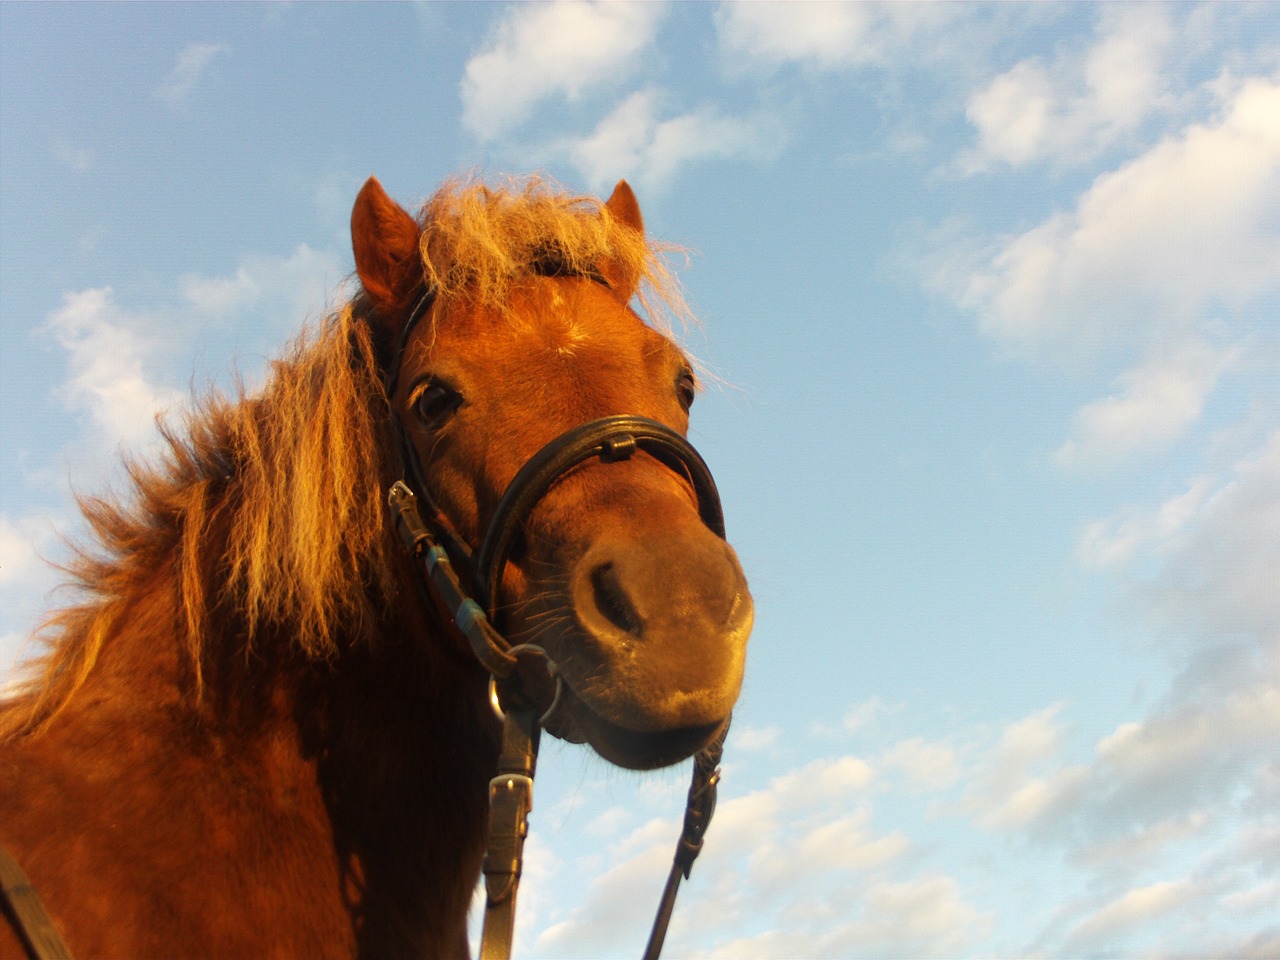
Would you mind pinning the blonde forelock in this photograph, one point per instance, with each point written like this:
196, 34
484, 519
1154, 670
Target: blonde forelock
478, 239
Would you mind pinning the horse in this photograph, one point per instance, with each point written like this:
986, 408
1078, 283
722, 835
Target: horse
256, 733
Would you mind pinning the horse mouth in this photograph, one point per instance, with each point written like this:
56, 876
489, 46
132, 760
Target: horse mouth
573, 720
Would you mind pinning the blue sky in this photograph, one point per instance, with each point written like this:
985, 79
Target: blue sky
993, 294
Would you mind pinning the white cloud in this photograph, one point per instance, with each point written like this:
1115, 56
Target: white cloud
1006, 789
766, 851
1143, 843
925, 916
540, 50
28, 549
1202, 566
931, 766
1156, 403
1146, 786
109, 351
1077, 106
1258, 899
1014, 113
1117, 539
279, 292
858, 717
755, 738
635, 142
1215, 547
613, 895
1221, 570
1144, 905
18, 555
1171, 754
1188, 227
609, 823
126, 366
178, 86
830, 34
826, 35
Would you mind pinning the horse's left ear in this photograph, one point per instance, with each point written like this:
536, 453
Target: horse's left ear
385, 241
623, 207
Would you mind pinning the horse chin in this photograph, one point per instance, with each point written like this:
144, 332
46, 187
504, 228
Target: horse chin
574, 721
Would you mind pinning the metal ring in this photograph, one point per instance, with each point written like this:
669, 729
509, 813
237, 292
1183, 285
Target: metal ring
555, 701
495, 702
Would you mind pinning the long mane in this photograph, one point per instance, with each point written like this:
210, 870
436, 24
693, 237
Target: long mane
269, 508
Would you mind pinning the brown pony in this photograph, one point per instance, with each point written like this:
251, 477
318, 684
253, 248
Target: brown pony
257, 736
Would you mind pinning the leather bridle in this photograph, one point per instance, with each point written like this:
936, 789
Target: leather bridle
523, 679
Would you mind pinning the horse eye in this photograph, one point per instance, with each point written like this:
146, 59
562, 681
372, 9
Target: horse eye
436, 403
686, 389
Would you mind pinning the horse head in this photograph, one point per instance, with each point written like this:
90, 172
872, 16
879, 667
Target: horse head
614, 571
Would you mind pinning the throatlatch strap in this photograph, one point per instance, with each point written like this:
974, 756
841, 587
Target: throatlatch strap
510, 800
27, 914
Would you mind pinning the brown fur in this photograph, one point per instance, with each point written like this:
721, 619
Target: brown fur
250, 739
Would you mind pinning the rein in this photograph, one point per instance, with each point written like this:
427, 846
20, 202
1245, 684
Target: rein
523, 677
26, 914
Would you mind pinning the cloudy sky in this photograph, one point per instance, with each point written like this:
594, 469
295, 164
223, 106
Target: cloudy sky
993, 294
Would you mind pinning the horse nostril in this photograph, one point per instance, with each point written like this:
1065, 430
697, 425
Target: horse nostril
611, 599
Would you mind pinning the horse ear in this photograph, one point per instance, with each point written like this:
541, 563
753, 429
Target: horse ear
384, 239
623, 207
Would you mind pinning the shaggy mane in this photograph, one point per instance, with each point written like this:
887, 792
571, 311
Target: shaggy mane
269, 508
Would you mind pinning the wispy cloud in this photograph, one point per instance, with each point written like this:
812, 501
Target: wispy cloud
177, 88
1203, 560
925, 916
1075, 107
1185, 227
581, 52
826, 36
1014, 781
108, 353
927, 765
1132, 909
28, 548
637, 142
543, 50
277, 291
813, 824
1157, 401
18, 557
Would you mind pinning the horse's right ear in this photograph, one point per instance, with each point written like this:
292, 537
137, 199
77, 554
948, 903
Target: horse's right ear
623, 207
384, 239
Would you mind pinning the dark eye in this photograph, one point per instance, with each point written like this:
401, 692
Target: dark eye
436, 403
686, 389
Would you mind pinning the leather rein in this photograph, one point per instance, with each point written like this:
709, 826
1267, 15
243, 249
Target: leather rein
523, 679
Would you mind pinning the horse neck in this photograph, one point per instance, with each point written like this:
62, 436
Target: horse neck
404, 745
380, 757
402, 678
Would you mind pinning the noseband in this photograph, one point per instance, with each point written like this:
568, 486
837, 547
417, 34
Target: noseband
523, 679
